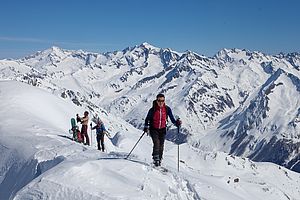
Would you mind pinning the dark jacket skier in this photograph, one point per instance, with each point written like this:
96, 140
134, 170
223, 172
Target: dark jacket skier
100, 131
156, 122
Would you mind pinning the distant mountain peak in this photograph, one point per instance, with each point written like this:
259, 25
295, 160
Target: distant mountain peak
55, 48
147, 45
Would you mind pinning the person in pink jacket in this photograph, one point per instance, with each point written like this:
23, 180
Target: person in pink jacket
155, 122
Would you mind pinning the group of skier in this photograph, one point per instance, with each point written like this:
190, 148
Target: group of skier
82, 136
155, 126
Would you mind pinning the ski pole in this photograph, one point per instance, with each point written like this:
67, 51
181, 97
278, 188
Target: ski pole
178, 148
91, 134
178, 127
108, 134
135, 144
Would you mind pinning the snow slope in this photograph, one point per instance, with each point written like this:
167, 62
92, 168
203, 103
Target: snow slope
39, 161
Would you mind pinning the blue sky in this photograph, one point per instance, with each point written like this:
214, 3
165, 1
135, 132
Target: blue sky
205, 27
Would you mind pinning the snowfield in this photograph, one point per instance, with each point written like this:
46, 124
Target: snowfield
40, 161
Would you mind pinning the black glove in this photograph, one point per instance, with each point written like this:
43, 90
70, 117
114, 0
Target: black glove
146, 129
178, 122
78, 119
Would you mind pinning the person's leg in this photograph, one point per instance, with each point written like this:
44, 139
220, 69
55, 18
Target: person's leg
82, 134
79, 136
98, 141
86, 134
162, 135
102, 141
156, 146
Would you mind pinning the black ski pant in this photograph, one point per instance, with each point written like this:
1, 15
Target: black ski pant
158, 138
100, 141
84, 134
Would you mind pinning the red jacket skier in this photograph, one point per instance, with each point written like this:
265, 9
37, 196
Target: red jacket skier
156, 122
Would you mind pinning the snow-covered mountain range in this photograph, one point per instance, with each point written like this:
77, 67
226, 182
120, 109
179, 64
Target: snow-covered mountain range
242, 102
39, 161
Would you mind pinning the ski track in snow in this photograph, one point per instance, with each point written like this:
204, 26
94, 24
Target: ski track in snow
184, 185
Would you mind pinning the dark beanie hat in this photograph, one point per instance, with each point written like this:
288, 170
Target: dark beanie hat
160, 95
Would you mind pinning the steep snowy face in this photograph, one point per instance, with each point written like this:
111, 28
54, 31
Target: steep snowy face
202, 91
266, 127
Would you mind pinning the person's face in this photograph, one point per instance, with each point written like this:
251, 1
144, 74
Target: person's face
160, 101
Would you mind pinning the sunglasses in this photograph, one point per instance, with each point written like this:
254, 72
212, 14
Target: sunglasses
160, 100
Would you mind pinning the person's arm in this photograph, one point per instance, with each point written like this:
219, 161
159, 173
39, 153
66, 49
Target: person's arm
103, 127
148, 120
170, 114
105, 131
84, 119
78, 118
148, 117
176, 122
